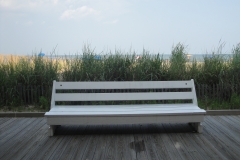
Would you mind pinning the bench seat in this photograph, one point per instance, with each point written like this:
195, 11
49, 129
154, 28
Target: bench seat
122, 110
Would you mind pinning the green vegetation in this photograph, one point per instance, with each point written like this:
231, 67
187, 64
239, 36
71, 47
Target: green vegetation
33, 75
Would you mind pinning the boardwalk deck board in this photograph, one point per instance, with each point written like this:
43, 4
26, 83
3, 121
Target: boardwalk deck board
224, 134
111, 148
159, 145
13, 132
217, 142
187, 146
226, 130
176, 142
120, 148
27, 138
91, 147
171, 149
6, 123
3, 120
235, 120
28, 144
150, 148
101, 145
193, 142
229, 125
138, 143
83, 140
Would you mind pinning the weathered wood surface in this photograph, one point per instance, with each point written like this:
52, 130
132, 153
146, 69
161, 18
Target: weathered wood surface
27, 138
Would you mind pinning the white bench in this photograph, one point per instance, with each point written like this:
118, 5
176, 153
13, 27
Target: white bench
158, 91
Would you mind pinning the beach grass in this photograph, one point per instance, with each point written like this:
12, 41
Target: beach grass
119, 66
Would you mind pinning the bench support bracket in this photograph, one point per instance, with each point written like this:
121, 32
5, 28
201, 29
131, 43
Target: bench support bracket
51, 129
197, 126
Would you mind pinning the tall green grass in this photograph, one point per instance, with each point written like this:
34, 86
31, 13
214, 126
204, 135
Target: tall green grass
120, 66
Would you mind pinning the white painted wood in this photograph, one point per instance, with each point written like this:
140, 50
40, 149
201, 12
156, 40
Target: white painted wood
53, 94
121, 110
199, 127
51, 130
194, 93
124, 114
126, 108
107, 120
124, 85
122, 96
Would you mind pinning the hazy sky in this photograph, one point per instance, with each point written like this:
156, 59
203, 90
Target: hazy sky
29, 26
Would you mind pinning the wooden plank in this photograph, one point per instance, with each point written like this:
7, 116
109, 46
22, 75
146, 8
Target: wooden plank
64, 146
176, 142
150, 148
92, 143
82, 139
34, 139
232, 122
222, 128
172, 151
22, 144
202, 146
99, 120
228, 125
123, 85
72, 142
41, 142
47, 147
218, 141
122, 148
210, 150
70, 150
231, 139
102, 143
177, 108
185, 141
158, 143
110, 150
17, 126
3, 121
122, 96
138, 143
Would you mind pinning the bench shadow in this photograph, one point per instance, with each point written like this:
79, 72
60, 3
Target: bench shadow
123, 129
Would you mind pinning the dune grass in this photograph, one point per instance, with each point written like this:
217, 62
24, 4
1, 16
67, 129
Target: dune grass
119, 66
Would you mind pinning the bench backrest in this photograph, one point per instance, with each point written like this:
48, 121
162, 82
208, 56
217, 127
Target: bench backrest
164, 94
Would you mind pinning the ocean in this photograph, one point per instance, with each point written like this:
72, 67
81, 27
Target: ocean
191, 57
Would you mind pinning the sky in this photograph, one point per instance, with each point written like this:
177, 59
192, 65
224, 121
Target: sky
66, 26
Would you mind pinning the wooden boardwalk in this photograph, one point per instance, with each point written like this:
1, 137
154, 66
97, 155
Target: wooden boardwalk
26, 138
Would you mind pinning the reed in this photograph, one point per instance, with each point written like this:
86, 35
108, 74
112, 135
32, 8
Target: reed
117, 66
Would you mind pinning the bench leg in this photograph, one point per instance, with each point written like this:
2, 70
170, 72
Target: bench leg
197, 126
51, 130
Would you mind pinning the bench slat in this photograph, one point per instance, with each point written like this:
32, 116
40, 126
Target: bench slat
175, 106
126, 109
123, 96
124, 85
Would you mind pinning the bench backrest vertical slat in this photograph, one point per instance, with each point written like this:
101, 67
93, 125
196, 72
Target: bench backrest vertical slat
53, 94
194, 93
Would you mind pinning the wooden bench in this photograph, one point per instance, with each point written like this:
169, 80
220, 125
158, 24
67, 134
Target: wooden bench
178, 103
